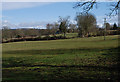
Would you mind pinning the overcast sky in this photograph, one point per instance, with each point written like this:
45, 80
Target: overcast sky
38, 14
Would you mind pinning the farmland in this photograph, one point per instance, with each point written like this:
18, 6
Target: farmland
67, 59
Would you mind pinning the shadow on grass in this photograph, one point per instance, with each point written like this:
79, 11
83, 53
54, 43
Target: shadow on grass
112, 52
50, 51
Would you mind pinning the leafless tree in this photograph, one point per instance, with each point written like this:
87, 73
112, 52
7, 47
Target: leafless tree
48, 27
89, 5
54, 28
6, 33
72, 27
86, 24
108, 26
64, 23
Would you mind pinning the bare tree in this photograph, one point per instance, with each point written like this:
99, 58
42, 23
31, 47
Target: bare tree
108, 26
64, 23
89, 5
86, 24
6, 33
86, 6
72, 27
48, 27
54, 28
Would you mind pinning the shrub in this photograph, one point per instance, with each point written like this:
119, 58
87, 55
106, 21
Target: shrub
18, 36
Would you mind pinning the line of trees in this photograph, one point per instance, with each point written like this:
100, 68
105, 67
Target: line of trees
86, 26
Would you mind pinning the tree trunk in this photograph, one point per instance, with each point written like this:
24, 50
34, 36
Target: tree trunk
64, 35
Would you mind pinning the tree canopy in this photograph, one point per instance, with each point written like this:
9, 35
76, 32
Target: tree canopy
64, 23
86, 24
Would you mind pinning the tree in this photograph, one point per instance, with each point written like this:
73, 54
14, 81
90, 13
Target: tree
86, 24
19, 32
64, 23
5, 27
48, 27
72, 27
90, 4
54, 28
108, 26
6, 32
0, 36
115, 26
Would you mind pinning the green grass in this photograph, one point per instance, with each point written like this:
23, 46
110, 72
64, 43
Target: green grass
68, 59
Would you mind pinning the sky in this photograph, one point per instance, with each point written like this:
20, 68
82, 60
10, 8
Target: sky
38, 14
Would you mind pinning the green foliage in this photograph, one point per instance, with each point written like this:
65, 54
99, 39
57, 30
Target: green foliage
18, 36
115, 26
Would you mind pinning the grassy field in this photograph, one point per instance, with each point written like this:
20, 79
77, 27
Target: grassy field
67, 59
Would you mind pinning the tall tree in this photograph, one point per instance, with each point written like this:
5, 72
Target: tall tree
64, 23
108, 26
115, 26
48, 27
54, 28
86, 24
6, 32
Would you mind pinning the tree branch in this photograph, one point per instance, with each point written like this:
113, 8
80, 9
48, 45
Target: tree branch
114, 10
86, 6
89, 5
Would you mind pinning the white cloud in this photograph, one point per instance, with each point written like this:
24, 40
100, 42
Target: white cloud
33, 24
19, 5
112, 20
31, 27
7, 23
73, 22
39, 25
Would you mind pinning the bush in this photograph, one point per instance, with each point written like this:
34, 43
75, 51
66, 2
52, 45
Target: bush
47, 37
89, 35
38, 38
18, 36
100, 33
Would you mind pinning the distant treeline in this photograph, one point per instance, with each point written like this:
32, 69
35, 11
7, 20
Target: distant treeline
15, 35
86, 27
21, 33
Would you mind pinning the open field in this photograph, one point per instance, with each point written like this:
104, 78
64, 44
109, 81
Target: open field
67, 59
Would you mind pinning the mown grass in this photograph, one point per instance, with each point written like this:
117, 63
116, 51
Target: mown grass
67, 59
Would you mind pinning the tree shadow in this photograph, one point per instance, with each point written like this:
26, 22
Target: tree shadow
115, 55
111, 52
48, 51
